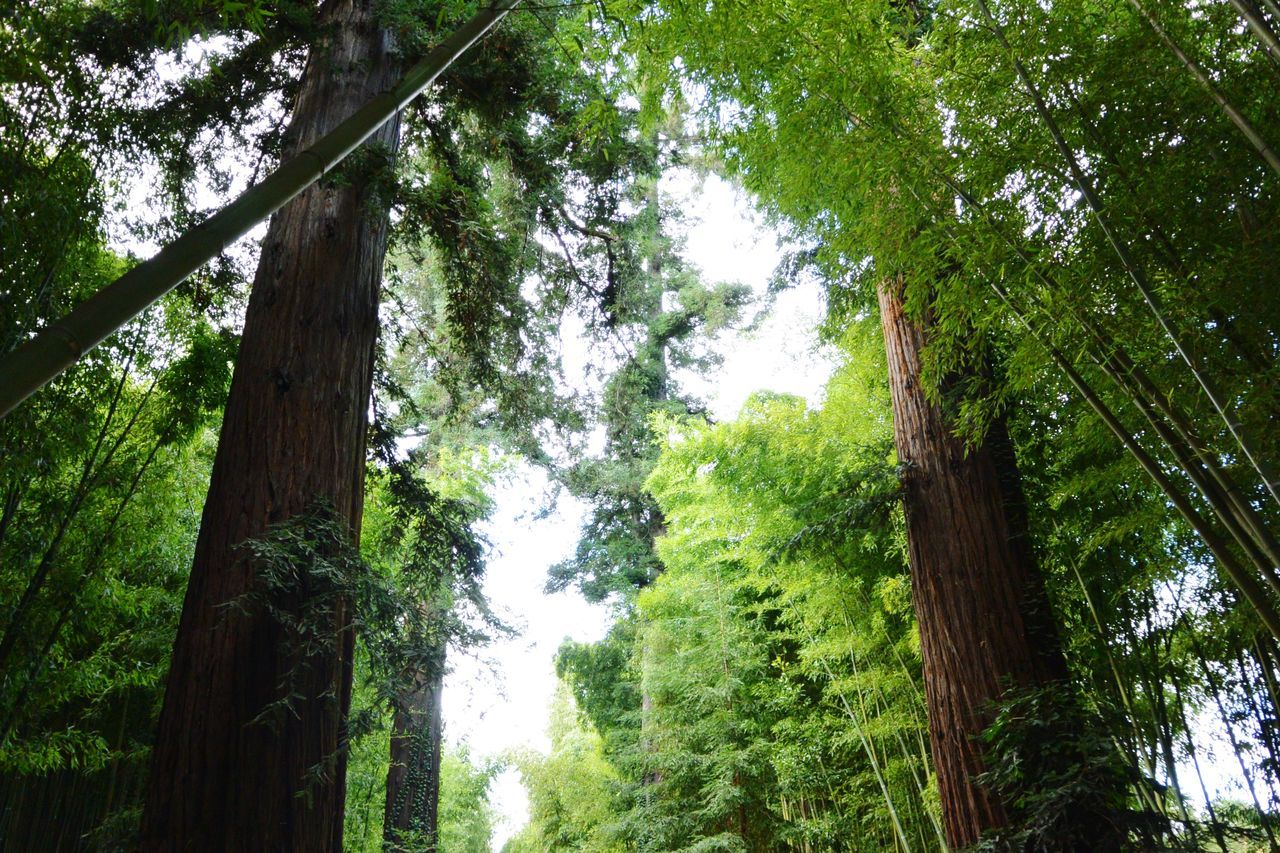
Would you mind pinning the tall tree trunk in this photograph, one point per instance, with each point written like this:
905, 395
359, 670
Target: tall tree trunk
411, 819
979, 600
294, 431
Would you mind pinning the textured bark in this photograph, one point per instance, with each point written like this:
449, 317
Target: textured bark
294, 432
978, 596
413, 777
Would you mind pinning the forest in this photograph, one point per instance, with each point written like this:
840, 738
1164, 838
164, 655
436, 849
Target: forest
287, 289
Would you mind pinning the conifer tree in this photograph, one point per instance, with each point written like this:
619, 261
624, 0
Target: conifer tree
266, 703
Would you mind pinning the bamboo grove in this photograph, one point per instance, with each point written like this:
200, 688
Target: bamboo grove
1012, 583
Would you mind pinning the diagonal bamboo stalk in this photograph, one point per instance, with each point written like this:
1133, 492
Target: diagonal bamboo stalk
1215, 484
1134, 270
1254, 593
859, 724
1259, 27
60, 344
1236, 512
1244, 581
1272, 7
1202, 77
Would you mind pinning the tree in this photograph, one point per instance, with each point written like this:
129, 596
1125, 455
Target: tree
1059, 213
292, 442
947, 176
438, 562
467, 819
776, 647
985, 623
572, 790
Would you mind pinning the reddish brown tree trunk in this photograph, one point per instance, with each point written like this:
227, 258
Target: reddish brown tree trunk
293, 433
411, 819
978, 596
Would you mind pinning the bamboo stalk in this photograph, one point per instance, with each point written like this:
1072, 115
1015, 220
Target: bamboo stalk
1259, 27
1218, 547
1210, 483
60, 344
1215, 691
1214, 483
1245, 582
1131, 755
1153, 677
47, 562
1130, 264
1183, 433
1215, 825
1202, 77
858, 727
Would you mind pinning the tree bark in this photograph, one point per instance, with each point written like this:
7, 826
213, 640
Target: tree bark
411, 819
293, 433
979, 600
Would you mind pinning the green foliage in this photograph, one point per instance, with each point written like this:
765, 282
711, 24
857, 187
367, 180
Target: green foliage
782, 532
762, 692
467, 819
1060, 778
765, 692
573, 791
901, 142
668, 314
308, 575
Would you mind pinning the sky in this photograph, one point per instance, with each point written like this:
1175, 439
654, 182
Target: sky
500, 699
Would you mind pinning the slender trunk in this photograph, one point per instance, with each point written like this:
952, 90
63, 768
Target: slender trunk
859, 729
293, 433
1215, 825
1253, 592
1258, 651
410, 821
1164, 737
88, 567
1135, 271
1258, 25
1264, 722
12, 499
1206, 82
91, 470
1215, 691
984, 625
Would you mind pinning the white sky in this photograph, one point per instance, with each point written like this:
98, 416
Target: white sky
502, 699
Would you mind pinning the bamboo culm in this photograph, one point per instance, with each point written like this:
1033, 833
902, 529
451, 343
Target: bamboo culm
1245, 582
1131, 267
1236, 513
1259, 27
1215, 485
1202, 77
